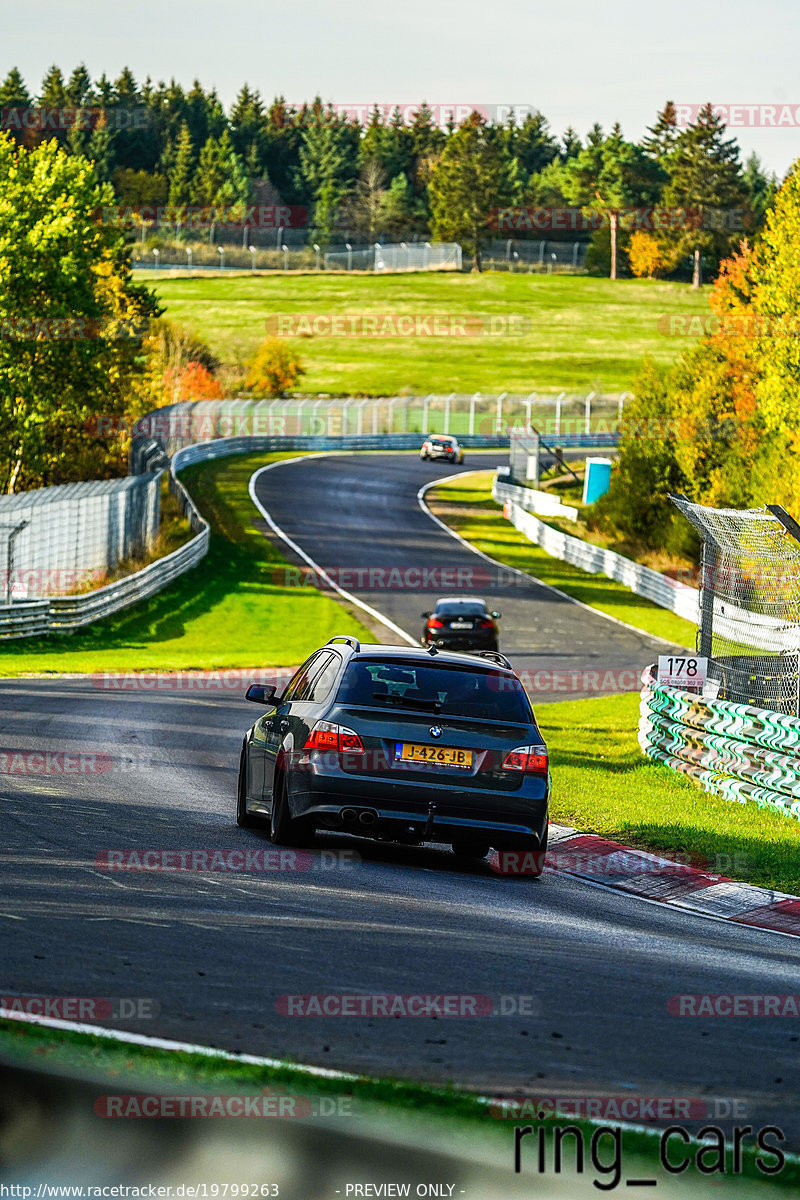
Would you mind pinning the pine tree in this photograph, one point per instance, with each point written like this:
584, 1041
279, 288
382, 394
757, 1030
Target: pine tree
761, 190
180, 180
571, 144
79, 91
611, 173
532, 144
474, 175
400, 212
53, 93
100, 150
705, 174
662, 136
13, 92
248, 127
327, 166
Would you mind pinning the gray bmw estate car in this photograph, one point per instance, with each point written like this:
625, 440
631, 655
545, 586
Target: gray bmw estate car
401, 744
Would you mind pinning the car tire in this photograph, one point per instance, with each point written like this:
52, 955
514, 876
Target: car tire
533, 849
473, 850
244, 819
283, 829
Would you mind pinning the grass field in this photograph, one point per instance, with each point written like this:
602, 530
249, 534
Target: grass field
466, 505
585, 334
230, 611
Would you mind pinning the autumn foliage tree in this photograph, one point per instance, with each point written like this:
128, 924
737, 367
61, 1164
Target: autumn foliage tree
275, 369
644, 255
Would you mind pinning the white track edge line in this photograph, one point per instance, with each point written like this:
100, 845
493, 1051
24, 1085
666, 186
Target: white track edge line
155, 1043
524, 574
323, 574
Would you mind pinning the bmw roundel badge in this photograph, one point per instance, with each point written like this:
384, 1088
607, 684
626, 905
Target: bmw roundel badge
435, 731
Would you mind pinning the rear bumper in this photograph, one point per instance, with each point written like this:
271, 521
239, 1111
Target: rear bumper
425, 812
468, 640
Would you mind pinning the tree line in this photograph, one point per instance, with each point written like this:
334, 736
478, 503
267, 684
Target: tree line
162, 144
722, 425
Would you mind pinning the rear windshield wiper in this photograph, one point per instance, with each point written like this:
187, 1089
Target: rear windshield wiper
427, 705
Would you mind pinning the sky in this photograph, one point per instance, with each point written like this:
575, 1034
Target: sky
577, 62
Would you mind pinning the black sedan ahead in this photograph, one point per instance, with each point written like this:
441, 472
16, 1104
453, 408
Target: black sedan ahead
458, 624
400, 744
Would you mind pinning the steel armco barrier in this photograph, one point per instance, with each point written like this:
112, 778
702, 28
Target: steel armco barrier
60, 614
732, 750
668, 593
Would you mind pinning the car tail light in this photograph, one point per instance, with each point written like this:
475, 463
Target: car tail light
486, 623
327, 736
530, 759
435, 623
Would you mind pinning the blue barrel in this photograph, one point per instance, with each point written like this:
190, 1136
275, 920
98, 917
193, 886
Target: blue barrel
597, 480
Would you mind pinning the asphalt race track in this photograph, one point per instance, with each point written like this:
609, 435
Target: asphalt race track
357, 516
215, 951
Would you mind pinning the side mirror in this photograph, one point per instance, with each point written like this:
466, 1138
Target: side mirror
425, 614
496, 615
260, 694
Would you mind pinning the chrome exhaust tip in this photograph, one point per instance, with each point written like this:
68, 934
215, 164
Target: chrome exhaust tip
348, 814
367, 818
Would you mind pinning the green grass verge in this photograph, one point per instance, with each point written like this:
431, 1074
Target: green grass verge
440, 1117
602, 783
585, 334
232, 610
466, 505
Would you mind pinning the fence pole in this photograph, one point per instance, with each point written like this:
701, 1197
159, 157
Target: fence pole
447, 412
621, 405
559, 399
472, 400
528, 404
425, 406
499, 421
588, 412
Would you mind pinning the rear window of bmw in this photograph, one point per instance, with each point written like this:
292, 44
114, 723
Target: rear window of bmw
454, 691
